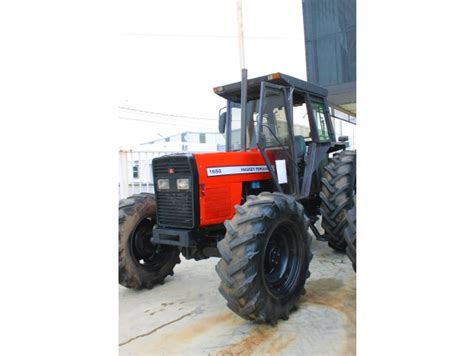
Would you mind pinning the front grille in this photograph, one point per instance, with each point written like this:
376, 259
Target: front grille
176, 209
179, 166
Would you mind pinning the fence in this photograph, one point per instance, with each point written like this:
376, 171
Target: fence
135, 171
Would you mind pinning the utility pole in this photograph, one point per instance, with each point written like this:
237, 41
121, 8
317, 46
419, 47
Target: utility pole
243, 89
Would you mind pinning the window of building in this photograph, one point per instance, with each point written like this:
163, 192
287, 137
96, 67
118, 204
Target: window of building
202, 138
136, 170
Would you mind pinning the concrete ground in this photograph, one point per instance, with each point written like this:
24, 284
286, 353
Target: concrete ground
187, 315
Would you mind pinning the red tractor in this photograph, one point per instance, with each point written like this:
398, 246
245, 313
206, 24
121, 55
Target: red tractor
251, 205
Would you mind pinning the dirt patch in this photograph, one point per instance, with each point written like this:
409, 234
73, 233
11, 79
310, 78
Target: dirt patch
177, 340
247, 346
203, 325
280, 344
333, 293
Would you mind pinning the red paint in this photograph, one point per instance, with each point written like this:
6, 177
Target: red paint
219, 194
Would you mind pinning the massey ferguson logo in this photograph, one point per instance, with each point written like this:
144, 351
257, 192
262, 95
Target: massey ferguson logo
230, 170
171, 170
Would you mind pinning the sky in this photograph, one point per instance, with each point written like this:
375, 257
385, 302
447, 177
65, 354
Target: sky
172, 54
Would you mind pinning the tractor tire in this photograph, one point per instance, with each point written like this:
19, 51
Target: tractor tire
265, 257
337, 194
350, 238
142, 264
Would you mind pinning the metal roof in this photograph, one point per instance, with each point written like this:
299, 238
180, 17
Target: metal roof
232, 91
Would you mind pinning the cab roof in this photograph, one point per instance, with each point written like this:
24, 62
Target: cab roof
232, 91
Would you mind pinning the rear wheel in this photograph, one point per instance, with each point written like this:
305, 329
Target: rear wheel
350, 238
337, 194
141, 263
265, 257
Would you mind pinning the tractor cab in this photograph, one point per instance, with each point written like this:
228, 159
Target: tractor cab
287, 119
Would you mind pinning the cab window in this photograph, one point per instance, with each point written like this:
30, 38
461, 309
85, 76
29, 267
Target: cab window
274, 120
235, 117
321, 124
301, 126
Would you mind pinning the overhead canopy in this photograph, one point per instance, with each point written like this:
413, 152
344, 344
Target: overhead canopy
232, 91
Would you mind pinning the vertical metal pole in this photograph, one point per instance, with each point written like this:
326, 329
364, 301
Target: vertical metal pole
147, 171
243, 109
131, 171
333, 121
121, 193
124, 182
243, 90
354, 129
240, 30
139, 186
140, 172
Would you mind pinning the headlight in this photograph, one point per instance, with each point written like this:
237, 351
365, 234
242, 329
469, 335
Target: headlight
183, 184
163, 184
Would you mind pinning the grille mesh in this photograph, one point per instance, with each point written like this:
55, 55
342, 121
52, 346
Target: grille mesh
174, 208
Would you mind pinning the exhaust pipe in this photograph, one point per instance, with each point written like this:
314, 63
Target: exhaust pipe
243, 82
243, 110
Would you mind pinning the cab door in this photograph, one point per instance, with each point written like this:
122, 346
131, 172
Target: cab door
275, 137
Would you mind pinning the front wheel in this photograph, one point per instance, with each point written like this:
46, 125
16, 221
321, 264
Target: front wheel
265, 257
142, 264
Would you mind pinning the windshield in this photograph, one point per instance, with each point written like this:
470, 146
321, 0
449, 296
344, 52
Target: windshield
235, 117
274, 120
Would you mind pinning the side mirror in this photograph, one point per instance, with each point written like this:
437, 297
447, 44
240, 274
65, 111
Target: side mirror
343, 138
222, 120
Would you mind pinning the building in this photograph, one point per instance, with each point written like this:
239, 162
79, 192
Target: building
189, 141
330, 44
135, 163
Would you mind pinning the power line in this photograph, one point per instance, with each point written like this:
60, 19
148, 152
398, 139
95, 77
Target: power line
164, 114
159, 123
208, 36
166, 121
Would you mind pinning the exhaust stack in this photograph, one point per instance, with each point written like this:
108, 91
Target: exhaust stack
243, 83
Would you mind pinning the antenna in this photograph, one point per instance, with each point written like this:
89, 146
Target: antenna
240, 31
243, 83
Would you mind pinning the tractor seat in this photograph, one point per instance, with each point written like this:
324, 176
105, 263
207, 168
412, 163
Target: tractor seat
300, 147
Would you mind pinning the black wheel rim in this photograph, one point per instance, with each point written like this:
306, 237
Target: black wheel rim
282, 261
147, 255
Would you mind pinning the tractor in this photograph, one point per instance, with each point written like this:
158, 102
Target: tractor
251, 206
